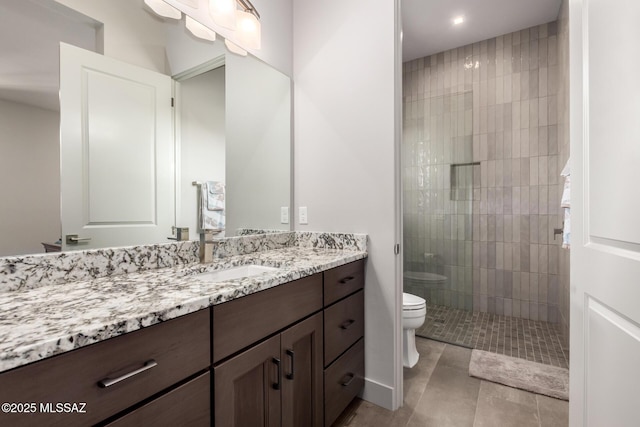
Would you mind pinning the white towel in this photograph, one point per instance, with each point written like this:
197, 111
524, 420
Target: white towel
566, 230
211, 206
215, 195
565, 203
566, 192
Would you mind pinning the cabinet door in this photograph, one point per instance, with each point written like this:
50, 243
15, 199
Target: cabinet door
247, 387
302, 374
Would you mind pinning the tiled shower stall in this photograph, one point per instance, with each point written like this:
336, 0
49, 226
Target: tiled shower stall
482, 150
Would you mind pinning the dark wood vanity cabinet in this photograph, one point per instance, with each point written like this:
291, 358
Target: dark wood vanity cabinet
111, 376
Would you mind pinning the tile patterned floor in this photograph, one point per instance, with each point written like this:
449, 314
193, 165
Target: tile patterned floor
535, 341
438, 392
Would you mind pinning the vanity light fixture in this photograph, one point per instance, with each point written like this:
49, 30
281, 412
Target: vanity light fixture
234, 48
458, 20
199, 30
163, 9
248, 29
223, 13
244, 21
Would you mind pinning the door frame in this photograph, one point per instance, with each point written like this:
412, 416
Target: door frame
398, 398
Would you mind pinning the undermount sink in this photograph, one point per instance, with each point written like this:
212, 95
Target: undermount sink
239, 272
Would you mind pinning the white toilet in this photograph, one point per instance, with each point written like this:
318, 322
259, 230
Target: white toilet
414, 310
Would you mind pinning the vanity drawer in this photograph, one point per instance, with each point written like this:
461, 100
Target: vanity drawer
343, 325
187, 405
180, 348
342, 281
244, 321
343, 380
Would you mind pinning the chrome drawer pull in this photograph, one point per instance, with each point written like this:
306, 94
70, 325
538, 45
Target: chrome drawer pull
347, 279
108, 382
349, 381
347, 323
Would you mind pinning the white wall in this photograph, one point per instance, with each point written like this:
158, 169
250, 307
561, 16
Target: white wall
30, 177
258, 131
345, 65
201, 104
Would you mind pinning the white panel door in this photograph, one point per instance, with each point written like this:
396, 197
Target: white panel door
117, 152
605, 247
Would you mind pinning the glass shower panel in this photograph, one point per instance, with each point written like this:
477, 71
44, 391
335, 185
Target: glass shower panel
438, 198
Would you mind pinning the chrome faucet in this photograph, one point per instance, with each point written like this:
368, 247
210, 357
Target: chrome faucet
206, 246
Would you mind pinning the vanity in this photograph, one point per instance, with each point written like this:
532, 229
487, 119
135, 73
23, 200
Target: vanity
283, 348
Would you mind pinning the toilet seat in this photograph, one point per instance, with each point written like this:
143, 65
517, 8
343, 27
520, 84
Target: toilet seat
424, 276
412, 302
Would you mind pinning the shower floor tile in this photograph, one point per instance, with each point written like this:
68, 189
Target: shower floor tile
532, 340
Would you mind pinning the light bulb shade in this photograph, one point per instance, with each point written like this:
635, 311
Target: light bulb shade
235, 48
248, 30
223, 12
163, 9
199, 30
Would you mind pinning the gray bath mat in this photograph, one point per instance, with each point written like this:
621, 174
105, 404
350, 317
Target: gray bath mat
520, 373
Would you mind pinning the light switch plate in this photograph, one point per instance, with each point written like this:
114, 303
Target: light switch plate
302, 215
284, 215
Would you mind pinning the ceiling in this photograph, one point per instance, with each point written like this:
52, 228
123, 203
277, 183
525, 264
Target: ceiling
428, 26
30, 33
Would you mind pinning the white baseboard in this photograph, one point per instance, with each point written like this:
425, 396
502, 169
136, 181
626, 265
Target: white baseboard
378, 394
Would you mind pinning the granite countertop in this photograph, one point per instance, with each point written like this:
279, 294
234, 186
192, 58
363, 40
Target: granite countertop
42, 322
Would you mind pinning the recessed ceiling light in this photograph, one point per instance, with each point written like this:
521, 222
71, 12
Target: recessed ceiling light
458, 20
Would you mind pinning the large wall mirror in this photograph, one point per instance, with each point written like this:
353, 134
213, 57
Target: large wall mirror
229, 121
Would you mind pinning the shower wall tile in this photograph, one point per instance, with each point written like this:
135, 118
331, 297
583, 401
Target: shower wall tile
501, 102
